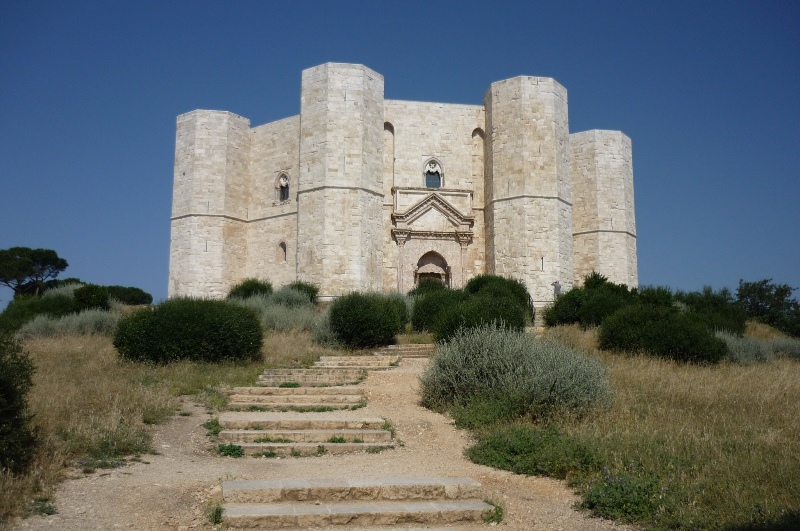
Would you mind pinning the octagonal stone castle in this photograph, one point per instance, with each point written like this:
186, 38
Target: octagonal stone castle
363, 193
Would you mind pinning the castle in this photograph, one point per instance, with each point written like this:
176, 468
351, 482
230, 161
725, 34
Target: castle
363, 193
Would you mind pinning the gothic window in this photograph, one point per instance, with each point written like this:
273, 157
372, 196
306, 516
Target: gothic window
283, 188
433, 174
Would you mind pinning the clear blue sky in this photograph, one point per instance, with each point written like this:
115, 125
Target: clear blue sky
709, 92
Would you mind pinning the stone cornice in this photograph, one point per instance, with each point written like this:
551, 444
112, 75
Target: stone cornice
632, 235
367, 190
233, 218
526, 196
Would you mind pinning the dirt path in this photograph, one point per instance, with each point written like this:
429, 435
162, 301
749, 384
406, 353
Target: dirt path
171, 490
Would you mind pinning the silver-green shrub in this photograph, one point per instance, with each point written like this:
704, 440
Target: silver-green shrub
67, 290
87, 322
786, 347
746, 350
530, 377
323, 333
282, 312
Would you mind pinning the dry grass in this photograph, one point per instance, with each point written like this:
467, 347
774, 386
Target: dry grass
725, 439
759, 330
91, 407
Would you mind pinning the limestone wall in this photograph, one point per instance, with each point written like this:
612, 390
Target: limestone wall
272, 227
527, 184
208, 247
604, 221
340, 218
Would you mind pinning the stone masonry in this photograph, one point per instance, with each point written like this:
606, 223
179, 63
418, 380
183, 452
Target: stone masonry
363, 193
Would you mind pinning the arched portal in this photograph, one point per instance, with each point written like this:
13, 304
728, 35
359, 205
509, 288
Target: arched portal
432, 265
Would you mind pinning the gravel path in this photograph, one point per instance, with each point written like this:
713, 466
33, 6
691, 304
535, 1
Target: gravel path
170, 491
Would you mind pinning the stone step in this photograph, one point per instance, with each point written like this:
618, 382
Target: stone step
292, 421
376, 358
341, 489
305, 449
366, 513
357, 363
330, 365
308, 407
315, 436
408, 350
297, 399
312, 377
335, 390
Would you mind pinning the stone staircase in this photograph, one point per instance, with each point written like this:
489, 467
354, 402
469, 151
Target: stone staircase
272, 434
272, 419
296, 398
408, 350
367, 363
307, 503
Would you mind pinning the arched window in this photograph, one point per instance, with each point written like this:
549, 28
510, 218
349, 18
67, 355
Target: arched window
434, 176
282, 187
282, 252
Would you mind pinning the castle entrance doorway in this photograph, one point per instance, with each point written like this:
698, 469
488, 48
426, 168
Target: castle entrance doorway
432, 265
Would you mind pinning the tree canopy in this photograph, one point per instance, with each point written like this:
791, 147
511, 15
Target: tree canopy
27, 271
771, 303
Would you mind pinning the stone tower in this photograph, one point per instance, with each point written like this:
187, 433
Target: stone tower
603, 216
340, 194
527, 184
209, 203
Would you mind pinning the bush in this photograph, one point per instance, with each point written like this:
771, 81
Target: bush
364, 320
487, 308
129, 295
565, 309
310, 290
599, 304
535, 451
249, 287
88, 322
23, 309
531, 377
91, 296
428, 307
402, 304
786, 347
624, 497
663, 332
62, 289
17, 437
500, 285
290, 297
192, 329
299, 314
425, 286
745, 350
717, 310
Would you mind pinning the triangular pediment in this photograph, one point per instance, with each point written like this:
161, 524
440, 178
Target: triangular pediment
433, 213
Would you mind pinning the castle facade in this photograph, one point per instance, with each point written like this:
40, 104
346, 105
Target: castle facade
362, 193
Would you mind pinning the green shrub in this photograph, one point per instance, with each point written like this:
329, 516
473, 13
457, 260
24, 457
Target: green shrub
230, 450
488, 307
599, 304
718, 310
310, 290
425, 286
625, 497
249, 287
193, 329
129, 295
656, 296
88, 322
428, 307
91, 296
364, 320
401, 303
23, 309
17, 437
565, 309
663, 332
531, 377
534, 451
500, 286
